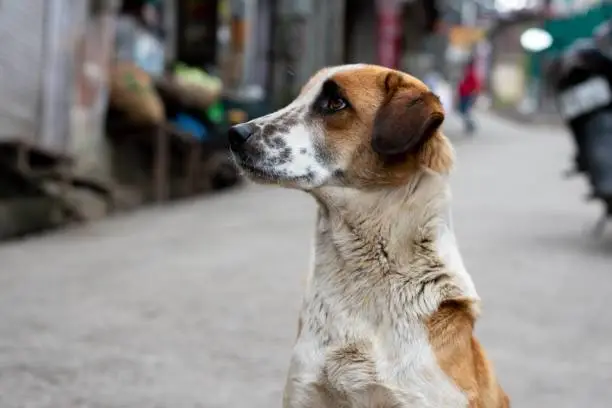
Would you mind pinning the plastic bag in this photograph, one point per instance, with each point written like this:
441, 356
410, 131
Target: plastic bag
133, 93
200, 87
149, 54
134, 44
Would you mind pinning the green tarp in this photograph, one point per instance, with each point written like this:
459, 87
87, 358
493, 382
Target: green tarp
567, 30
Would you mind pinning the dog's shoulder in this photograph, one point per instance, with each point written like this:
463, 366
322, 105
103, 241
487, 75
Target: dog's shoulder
460, 355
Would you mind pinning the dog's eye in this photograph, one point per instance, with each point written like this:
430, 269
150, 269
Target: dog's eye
334, 104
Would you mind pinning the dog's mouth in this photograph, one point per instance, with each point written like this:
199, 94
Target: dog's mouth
269, 175
257, 173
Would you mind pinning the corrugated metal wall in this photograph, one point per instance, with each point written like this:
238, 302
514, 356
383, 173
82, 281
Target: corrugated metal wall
37, 57
64, 23
21, 61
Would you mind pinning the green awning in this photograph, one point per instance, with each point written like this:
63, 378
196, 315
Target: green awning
568, 29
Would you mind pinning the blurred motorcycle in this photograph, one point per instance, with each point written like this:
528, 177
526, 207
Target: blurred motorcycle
583, 87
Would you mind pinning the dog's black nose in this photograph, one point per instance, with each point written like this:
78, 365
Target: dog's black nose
239, 134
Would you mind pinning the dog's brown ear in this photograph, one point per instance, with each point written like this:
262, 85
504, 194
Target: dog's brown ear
407, 118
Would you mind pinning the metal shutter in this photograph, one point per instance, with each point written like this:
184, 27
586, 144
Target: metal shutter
21, 61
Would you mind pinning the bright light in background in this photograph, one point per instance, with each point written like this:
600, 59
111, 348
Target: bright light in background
504, 6
536, 40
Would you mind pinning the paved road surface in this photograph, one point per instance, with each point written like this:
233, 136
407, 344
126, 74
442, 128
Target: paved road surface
194, 305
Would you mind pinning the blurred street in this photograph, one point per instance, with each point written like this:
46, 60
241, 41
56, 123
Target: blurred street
195, 304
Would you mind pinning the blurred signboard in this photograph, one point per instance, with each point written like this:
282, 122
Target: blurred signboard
566, 29
390, 31
509, 6
465, 37
508, 82
567, 7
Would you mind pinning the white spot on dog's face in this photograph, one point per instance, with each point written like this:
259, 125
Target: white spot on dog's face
307, 164
288, 146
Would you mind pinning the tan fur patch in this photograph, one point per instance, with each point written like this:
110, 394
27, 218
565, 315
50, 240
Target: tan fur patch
461, 357
437, 154
349, 132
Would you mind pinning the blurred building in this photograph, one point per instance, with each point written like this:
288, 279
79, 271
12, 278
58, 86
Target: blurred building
54, 97
42, 52
53, 63
517, 78
310, 34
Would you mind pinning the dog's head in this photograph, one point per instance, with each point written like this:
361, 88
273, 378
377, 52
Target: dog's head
359, 126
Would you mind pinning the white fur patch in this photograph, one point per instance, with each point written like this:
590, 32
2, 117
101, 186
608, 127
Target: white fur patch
449, 252
304, 162
302, 137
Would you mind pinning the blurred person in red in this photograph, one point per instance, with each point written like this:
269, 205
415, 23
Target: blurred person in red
468, 91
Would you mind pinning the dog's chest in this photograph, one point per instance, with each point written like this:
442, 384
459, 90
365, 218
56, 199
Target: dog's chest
369, 370
363, 343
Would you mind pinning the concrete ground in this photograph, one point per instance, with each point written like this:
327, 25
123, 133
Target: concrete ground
194, 305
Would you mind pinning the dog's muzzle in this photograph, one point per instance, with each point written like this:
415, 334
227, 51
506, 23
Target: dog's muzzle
238, 135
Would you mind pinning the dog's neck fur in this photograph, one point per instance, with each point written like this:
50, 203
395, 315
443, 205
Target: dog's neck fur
404, 232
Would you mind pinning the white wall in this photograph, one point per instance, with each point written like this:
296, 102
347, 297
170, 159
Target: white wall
21, 56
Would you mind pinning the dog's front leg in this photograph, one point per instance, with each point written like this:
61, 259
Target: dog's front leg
301, 394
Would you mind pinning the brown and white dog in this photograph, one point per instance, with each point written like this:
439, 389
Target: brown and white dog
388, 315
